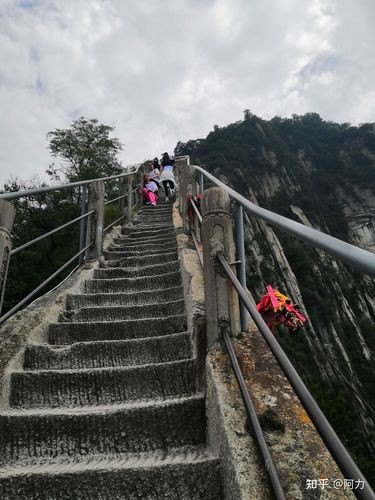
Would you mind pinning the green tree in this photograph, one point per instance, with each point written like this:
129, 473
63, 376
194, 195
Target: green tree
87, 151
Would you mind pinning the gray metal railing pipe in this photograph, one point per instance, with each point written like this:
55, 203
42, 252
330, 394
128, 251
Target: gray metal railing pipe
357, 257
241, 264
32, 294
197, 212
115, 199
82, 224
330, 438
254, 421
29, 192
43, 236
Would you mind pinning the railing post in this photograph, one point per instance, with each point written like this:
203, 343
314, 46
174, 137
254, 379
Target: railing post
130, 197
82, 223
201, 182
122, 188
241, 265
7, 214
188, 190
95, 221
217, 237
180, 164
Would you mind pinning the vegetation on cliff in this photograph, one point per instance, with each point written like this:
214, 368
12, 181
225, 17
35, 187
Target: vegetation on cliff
321, 173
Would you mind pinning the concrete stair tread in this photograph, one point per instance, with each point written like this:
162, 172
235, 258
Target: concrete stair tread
124, 240
101, 369
117, 313
99, 409
118, 254
37, 435
98, 386
98, 462
139, 259
126, 251
146, 271
108, 353
141, 283
143, 246
115, 330
75, 301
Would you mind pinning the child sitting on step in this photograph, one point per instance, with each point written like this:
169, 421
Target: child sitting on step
149, 191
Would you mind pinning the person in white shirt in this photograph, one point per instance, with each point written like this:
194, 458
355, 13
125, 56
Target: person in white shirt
167, 176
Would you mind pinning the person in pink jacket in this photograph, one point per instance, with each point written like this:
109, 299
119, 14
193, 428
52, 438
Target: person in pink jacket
149, 191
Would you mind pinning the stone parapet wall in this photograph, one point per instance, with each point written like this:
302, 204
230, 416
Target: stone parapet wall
298, 452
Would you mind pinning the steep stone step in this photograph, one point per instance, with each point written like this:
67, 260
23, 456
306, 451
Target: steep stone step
109, 354
141, 260
145, 233
145, 248
69, 333
160, 208
126, 245
38, 436
184, 475
119, 253
137, 258
141, 284
122, 299
140, 240
120, 313
123, 272
139, 243
102, 386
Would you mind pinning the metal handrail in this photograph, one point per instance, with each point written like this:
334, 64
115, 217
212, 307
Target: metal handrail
249, 406
330, 438
359, 258
29, 192
32, 294
196, 210
113, 223
325, 430
115, 199
43, 236
253, 417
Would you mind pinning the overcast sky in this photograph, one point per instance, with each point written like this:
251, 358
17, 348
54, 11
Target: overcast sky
167, 70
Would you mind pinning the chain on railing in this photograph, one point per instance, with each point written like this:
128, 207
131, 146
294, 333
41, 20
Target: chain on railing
92, 204
214, 228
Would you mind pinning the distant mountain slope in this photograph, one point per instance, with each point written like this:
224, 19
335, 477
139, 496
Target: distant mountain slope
321, 174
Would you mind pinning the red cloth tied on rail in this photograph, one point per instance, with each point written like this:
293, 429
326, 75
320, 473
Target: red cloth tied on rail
278, 308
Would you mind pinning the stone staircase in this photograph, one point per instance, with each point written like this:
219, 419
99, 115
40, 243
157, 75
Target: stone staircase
111, 407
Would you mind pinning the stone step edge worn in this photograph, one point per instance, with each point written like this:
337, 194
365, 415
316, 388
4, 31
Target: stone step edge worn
68, 347
124, 368
101, 409
71, 297
175, 456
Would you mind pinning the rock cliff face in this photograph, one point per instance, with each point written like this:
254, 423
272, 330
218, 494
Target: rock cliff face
322, 175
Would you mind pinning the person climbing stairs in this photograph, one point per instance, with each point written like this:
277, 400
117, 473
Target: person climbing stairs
111, 406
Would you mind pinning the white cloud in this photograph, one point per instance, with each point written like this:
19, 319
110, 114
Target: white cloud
166, 71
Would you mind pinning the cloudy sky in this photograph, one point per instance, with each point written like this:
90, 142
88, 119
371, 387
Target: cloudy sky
167, 70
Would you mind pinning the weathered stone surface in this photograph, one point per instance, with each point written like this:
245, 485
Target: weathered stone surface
102, 386
121, 313
123, 299
184, 475
36, 436
109, 354
69, 333
134, 272
140, 284
106, 401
